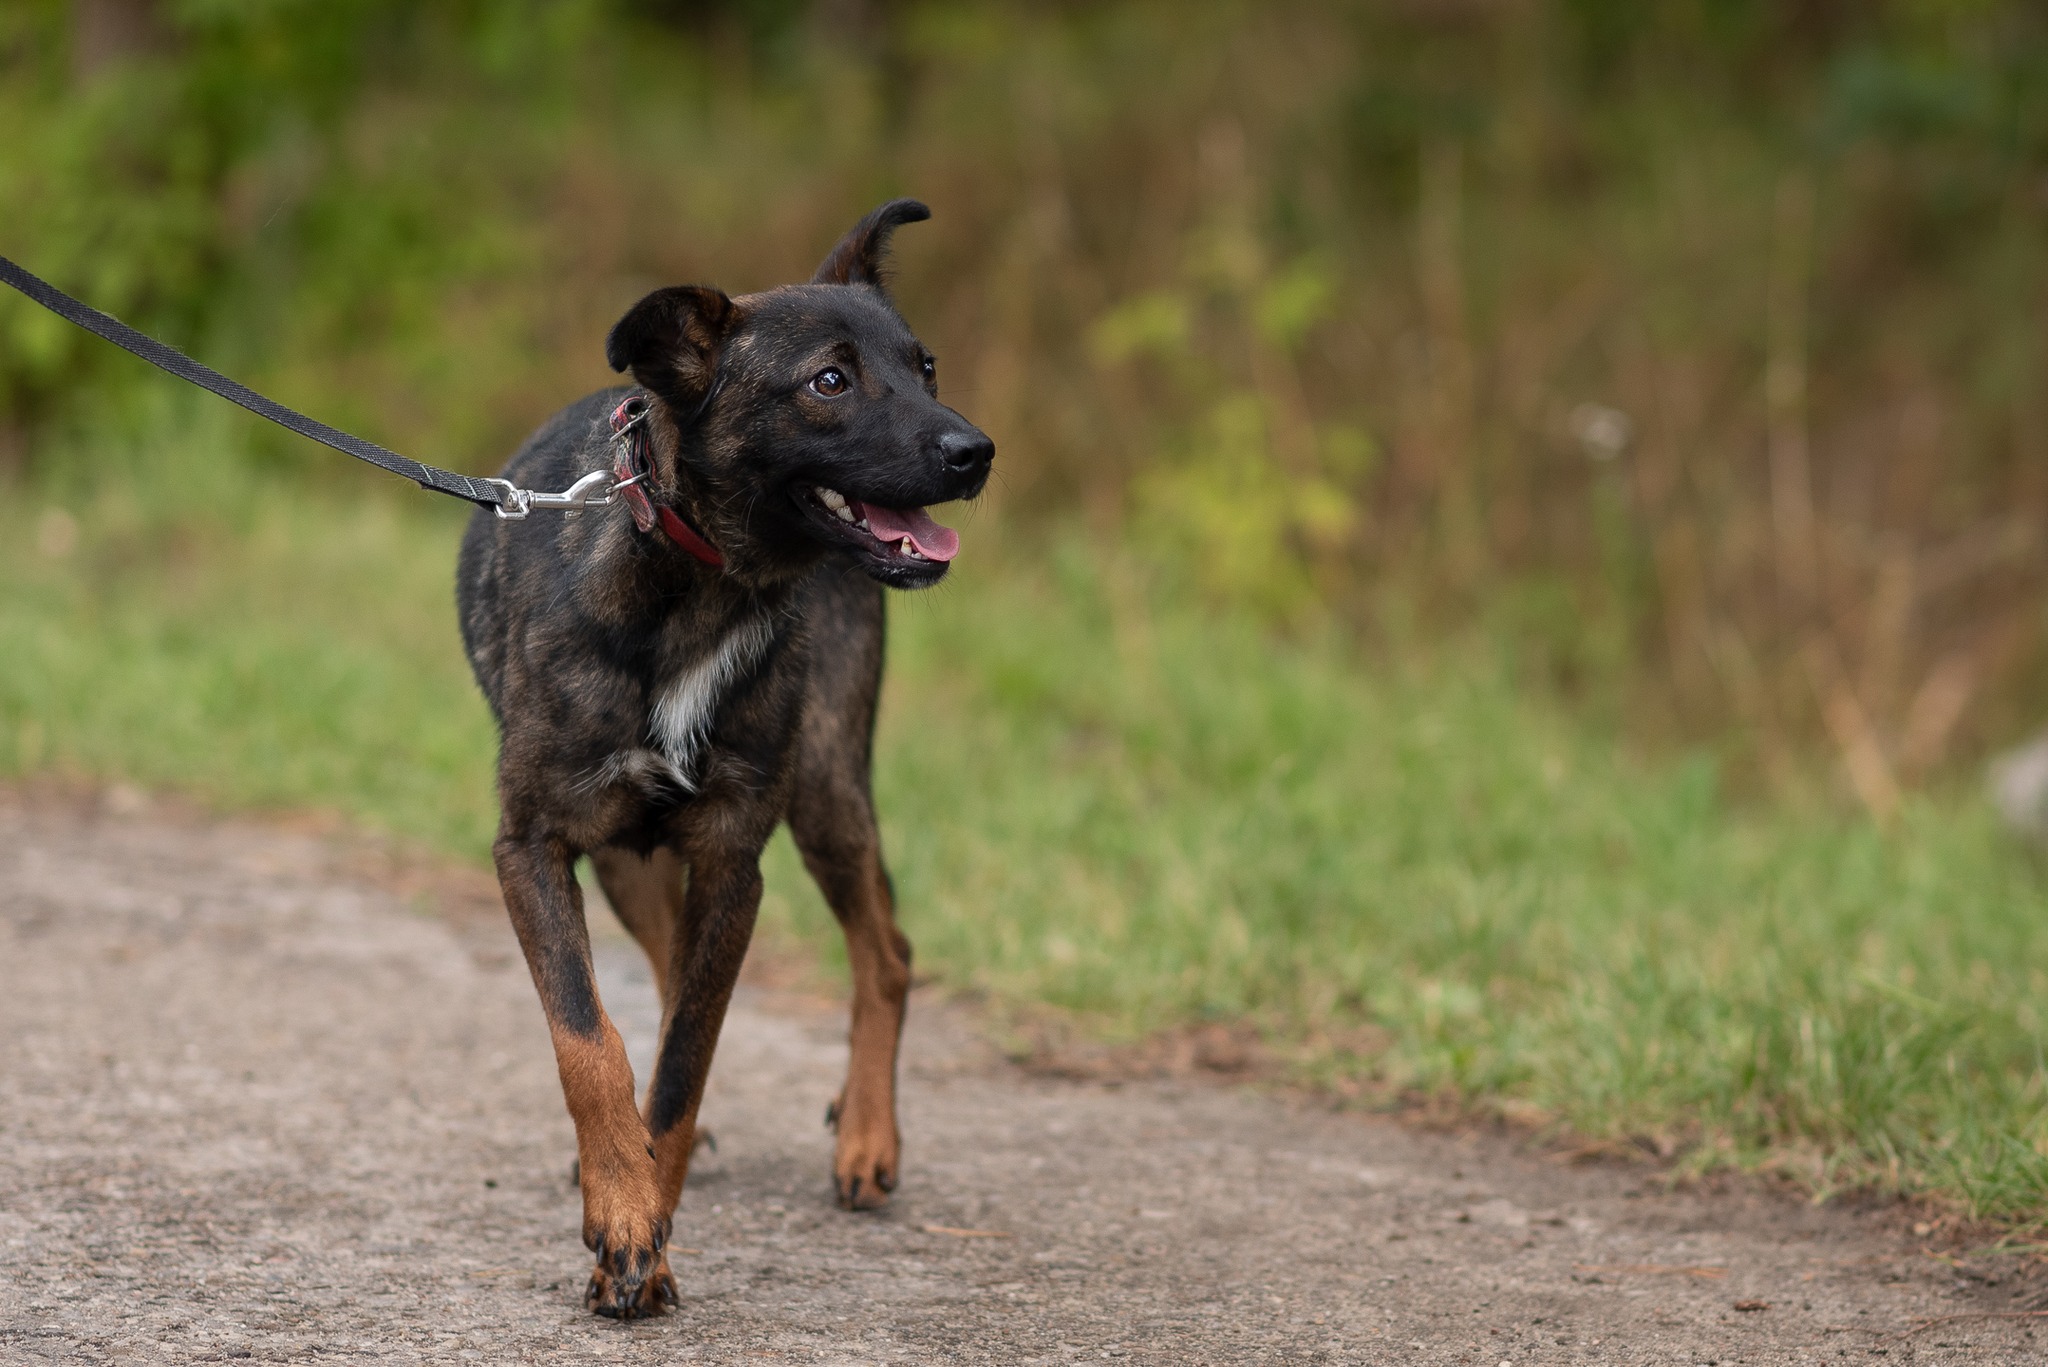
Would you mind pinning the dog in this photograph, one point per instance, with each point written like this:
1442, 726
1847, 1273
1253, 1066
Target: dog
671, 685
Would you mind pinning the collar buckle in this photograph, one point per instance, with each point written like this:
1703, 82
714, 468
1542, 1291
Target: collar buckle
630, 471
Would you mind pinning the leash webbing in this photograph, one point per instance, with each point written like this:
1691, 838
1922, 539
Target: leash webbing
498, 494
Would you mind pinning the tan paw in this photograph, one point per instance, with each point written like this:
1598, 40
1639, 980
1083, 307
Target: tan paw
631, 1280
864, 1164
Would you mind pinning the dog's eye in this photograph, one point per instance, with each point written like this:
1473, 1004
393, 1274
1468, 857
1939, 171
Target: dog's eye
829, 382
930, 368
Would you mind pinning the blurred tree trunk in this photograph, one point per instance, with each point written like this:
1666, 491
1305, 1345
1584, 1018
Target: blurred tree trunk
1440, 270
1792, 519
105, 31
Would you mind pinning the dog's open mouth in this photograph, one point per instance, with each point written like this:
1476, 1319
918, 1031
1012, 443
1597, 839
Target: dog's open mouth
906, 533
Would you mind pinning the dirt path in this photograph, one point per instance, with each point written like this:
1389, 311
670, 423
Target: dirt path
252, 1108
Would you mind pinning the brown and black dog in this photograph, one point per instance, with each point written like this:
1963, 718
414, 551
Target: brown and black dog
671, 684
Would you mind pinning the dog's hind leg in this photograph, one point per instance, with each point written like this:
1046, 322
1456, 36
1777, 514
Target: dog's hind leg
624, 1220
833, 821
647, 895
720, 902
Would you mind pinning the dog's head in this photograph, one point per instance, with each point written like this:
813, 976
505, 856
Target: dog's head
808, 417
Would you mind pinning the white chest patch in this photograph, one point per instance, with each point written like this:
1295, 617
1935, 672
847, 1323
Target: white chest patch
682, 714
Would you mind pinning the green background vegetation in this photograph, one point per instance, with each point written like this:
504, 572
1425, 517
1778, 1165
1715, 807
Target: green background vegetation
1518, 522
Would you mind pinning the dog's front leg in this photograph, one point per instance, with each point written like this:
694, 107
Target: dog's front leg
835, 829
624, 1220
723, 899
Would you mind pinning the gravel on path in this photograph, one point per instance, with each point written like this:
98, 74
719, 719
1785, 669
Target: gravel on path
255, 1107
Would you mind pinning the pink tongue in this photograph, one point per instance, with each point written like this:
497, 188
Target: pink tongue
933, 542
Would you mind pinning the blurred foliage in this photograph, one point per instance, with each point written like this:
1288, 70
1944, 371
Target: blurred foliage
1382, 372
1696, 348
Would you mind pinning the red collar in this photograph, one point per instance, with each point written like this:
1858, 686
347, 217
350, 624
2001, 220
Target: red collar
630, 464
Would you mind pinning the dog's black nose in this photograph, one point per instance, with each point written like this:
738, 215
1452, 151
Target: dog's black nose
963, 451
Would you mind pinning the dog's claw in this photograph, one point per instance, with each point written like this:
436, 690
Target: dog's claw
629, 1286
832, 1115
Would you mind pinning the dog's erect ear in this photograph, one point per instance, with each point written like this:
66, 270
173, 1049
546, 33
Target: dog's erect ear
857, 260
670, 340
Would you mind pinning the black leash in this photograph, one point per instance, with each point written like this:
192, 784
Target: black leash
499, 495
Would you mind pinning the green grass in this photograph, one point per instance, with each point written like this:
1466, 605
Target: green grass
1414, 876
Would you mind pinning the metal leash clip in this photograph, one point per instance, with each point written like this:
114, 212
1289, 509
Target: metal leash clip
594, 490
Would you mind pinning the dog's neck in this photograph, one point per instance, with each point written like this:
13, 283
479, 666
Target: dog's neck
680, 478
675, 483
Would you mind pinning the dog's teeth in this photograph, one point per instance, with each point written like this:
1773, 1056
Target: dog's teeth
863, 525
906, 548
831, 498
844, 513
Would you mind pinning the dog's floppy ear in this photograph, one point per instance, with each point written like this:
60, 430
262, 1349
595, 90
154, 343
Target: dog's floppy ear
857, 260
670, 340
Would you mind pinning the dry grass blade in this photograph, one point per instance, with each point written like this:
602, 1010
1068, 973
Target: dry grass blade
954, 1233
1919, 1326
